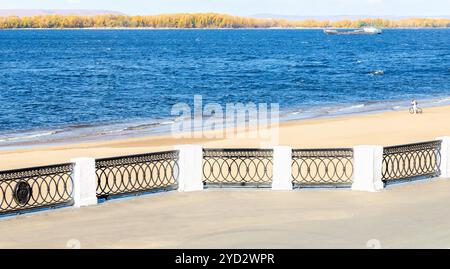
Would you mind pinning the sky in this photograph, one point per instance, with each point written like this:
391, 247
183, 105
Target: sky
247, 7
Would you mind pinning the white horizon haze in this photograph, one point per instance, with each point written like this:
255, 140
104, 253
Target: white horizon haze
301, 8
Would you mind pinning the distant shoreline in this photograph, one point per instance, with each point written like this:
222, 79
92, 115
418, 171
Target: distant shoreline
204, 21
244, 28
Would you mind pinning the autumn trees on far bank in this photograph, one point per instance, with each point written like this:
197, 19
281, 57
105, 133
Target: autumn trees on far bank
202, 20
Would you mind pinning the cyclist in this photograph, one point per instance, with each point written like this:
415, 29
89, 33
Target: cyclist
414, 106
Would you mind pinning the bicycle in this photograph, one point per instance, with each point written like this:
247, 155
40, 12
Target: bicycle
411, 110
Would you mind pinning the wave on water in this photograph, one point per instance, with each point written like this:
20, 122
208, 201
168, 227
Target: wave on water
80, 126
376, 72
26, 136
141, 127
167, 122
443, 100
83, 132
352, 107
145, 126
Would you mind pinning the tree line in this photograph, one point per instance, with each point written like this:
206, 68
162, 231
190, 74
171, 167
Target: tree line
202, 20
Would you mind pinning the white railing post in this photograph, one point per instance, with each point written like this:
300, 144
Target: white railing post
282, 168
84, 182
190, 165
445, 156
367, 166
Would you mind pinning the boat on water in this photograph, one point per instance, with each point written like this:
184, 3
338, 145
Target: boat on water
362, 31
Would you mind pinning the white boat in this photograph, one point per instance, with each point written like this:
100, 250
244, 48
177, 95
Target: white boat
370, 30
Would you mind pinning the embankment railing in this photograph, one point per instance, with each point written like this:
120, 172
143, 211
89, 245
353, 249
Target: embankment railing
30, 189
405, 162
222, 167
318, 167
136, 173
85, 181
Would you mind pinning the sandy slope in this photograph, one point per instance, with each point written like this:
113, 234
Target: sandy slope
397, 127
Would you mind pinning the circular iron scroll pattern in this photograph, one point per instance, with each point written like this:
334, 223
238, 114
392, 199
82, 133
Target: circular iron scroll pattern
410, 161
35, 187
322, 166
237, 166
136, 173
22, 193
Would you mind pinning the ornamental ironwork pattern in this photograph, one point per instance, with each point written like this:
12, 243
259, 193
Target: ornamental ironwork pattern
237, 166
411, 161
136, 173
22, 193
33, 188
322, 166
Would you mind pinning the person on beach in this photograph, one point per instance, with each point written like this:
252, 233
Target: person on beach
414, 106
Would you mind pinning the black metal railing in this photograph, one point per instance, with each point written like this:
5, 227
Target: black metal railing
311, 167
411, 161
237, 167
137, 173
36, 188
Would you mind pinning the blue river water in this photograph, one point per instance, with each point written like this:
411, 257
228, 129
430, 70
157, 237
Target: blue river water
58, 85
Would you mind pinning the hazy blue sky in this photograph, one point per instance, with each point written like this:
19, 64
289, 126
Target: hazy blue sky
247, 7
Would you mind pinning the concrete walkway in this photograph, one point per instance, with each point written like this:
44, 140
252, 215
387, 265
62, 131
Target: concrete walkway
413, 215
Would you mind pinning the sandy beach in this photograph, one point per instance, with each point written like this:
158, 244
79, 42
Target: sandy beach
387, 128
